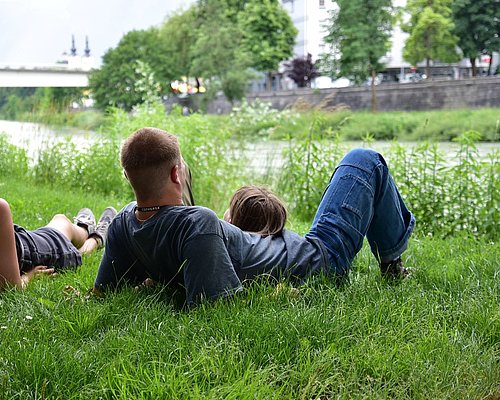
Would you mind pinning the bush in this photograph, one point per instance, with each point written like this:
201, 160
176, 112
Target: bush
94, 168
442, 125
446, 196
258, 119
13, 160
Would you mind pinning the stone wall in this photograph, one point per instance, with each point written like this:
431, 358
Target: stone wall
425, 95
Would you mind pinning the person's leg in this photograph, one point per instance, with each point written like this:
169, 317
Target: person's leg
361, 200
85, 235
76, 234
9, 266
98, 238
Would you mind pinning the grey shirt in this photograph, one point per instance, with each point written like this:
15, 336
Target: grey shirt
191, 246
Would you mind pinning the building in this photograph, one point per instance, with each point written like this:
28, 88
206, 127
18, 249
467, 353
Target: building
73, 60
310, 16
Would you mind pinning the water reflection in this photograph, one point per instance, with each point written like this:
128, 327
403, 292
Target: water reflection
36, 137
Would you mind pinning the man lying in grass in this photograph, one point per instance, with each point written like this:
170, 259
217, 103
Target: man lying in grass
54, 247
159, 238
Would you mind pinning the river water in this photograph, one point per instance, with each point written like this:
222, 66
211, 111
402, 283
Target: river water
261, 155
268, 154
34, 137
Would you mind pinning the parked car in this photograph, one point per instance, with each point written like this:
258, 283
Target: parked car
413, 77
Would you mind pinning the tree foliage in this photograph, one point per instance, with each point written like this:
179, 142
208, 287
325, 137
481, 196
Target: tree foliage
430, 31
217, 40
359, 34
61, 98
302, 70
477, 25
178, 35
228, 8
268, 34
216, 50
14, 102
216, 53
114, 83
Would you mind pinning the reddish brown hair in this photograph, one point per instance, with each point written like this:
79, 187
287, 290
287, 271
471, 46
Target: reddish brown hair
257, 209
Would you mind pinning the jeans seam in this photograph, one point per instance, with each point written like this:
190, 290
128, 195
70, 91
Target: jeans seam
363, 182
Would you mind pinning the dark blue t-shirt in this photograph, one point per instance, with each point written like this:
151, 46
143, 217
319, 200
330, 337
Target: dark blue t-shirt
191, 246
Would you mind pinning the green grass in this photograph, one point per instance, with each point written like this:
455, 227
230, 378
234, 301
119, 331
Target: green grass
260, 121
447, 196
439, 125
436, 335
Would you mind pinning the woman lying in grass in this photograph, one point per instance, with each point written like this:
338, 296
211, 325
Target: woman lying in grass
54, 247
258, 210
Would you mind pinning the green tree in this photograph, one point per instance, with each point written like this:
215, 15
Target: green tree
431, 33
477, 25
63, 97
146, 85
15, 101
13, 107
268, 34
114, 83
6, 92
359, 34
217, 54
178, 34
229, 8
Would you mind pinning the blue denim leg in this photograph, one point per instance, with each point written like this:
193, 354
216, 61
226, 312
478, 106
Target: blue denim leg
361, 200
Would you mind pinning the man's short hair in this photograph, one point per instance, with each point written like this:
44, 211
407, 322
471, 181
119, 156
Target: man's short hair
257, 209
149, 147
148, 156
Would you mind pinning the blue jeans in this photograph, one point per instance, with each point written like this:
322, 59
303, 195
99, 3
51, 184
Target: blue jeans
361, 200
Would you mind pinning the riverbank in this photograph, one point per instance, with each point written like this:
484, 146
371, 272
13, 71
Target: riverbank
442, 185
260, 122
263, 155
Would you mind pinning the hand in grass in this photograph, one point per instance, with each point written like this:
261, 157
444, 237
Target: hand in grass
148, 282
39, 270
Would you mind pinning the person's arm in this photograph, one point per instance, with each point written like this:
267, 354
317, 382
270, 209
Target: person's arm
208, 271
10, 274
9, 266
114, 272
118, 265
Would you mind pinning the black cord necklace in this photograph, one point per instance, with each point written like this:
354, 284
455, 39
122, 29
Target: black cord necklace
149, 209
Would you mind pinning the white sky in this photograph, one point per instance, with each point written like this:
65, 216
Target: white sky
39, 31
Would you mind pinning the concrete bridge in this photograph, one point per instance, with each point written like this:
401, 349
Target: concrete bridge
54, 75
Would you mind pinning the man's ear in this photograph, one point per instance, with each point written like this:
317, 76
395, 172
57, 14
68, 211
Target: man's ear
175, 174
